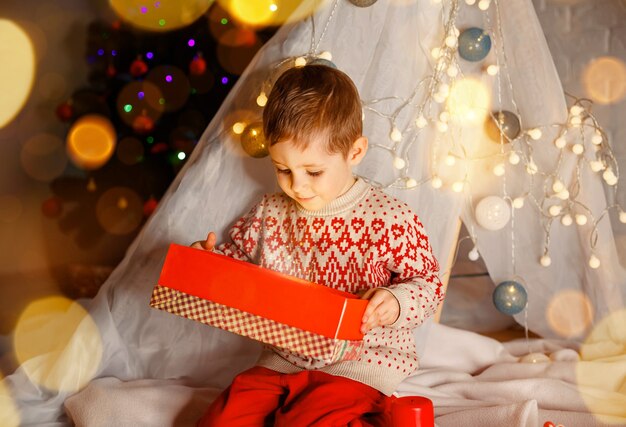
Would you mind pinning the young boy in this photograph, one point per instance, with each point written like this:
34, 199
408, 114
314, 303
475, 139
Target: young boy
334, 229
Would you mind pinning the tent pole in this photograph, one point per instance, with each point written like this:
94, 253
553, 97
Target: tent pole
445, 278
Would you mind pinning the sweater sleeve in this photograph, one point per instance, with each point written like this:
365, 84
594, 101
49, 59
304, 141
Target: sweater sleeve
245, 235
415, 280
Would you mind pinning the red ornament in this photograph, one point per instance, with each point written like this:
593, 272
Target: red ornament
197, 66
52, 207
149, 206
143, 124
548, 424
111, 71
65, 111
138, 68
159, 147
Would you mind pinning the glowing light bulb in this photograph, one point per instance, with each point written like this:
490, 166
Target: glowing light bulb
493, 69
582, 219
557, 186
395, 135
560, 142
410, 183
578, 149
575, 121
444, 116
238, 128
531, 168
458, 186
421, 122
594, 262
452, 71
450, 160
399, 163
444, 89
261, 100
596, 165
470, 2
439, 97
535, 133
545, 260
609, 176
597, 138
566, 220
473, 255
622, 217
514, 158
442, 126
576, 110
499, 170
451, 41
436, 52
300, 62
326, 55
436, 182
518, 202
563, 194
484, 4
554, 210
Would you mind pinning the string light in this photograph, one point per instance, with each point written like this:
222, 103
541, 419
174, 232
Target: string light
594, 262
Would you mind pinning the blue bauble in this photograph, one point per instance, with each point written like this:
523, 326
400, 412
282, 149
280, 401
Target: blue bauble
510, 297
322, 61
474, 44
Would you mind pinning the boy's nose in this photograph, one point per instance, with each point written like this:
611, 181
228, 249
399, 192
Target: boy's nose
297, 184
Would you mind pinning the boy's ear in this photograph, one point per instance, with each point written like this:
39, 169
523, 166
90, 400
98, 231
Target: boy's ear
359, 148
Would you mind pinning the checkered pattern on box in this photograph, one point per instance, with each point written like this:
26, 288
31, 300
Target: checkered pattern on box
299, 341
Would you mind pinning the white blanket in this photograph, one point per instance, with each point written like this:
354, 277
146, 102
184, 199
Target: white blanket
472, 381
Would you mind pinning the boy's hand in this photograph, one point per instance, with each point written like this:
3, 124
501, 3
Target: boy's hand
208, 244
383, 309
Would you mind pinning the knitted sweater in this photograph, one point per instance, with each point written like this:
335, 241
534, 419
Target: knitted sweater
361, 240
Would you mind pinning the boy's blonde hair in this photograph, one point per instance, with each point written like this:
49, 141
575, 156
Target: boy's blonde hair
314, 100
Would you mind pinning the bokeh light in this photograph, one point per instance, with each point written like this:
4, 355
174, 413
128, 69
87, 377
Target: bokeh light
173, 85
9, 415
43, 157
604, 80
91, 141
17, 71
130, 151
119, 210
10, 208
262, 13
600, 373
236, 49
58, 344
144, 98
469, 101
160, 15
569, 313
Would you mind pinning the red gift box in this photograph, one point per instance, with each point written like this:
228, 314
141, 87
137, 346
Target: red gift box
284, 311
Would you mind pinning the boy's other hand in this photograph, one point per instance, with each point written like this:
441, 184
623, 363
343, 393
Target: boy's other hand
383, 309
208, 244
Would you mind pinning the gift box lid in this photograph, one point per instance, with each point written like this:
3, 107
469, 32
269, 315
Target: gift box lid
263, 292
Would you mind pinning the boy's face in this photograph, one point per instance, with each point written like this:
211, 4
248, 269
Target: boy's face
313, 177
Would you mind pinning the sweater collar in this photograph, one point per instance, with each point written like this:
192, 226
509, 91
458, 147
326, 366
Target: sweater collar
342, 203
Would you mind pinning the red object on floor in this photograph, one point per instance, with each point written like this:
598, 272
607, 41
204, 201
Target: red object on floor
261, 396
412, 411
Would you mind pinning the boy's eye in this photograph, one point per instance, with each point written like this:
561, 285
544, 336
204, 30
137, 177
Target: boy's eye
285, 171
316, 173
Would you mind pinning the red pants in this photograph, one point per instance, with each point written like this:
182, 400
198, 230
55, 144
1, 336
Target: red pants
260, 397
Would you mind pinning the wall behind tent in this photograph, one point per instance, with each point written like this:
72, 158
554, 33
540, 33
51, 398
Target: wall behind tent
577, 31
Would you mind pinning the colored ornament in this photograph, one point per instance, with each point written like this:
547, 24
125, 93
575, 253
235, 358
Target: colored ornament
138, 67
143, 124
510, 297
253, 140
197, 66
549, 424
159, 147
111, 71
65, 111
149, 206
505, 127
492, 213
52, 207
363, 3
474, 44
322, 61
